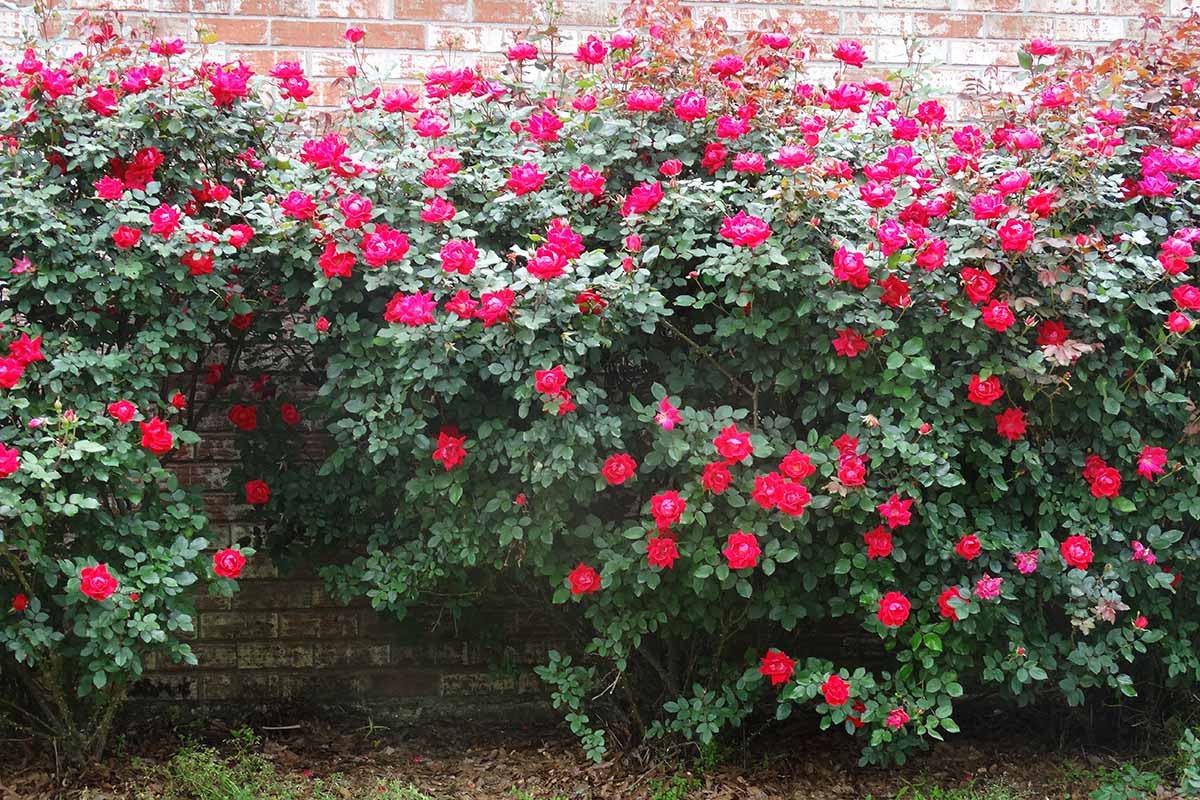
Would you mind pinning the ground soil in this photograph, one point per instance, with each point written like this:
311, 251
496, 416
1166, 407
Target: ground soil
490, 761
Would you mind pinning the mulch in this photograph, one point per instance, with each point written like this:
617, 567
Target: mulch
489, 761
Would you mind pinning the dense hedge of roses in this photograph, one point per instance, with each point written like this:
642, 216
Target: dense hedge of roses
122, 241
714, 353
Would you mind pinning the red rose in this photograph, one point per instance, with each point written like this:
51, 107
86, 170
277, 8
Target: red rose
450, 450
96, 583
257, 492
26, 350
667, 508
979, 285
998, 316
836, 690
879, 543
852, 470
742, 550
733, 445
984, 392
797, 466
661, 551
228, 563
289, 414
893, 609
122, 411
584, 580
777, 666
126, 238
744, 230
156, 438
1011, 424
968, 547
525, 178
178, 401
948, 611
895, 511
10, 460
767, 489
1106, 482
20, 603
1077, 552
1015, 235
244, 417
619, 468
716, 477
792, 498
1187, 297
550, 381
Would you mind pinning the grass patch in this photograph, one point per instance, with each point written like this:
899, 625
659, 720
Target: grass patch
198, 772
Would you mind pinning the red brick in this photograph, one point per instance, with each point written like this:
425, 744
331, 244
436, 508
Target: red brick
356, 10
169, 6
1016, 26
441, 10
515, 12
262, 62
271, 8
235, 31
987, 5
983, 53
1124, 7
587, 13
329, 34
1088, 29
955, 26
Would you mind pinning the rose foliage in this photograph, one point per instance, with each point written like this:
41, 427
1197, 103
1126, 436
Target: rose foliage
714, 354
101, 547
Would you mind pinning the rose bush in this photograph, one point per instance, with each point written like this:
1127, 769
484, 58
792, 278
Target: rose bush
714, 353
127, 270
710, 351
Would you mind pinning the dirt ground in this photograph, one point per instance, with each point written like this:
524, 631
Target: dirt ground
486, 761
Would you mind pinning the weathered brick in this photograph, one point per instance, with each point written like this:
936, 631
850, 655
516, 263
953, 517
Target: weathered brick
1088, 29
1018, 26
513, 12
274, 655
272, 8
235, 31
357, 10
318, 624
401, 683
439, 37
349, 654
983, 53
306, 686
444, 10
470, 683
238, 686
216, 625
175, 686
329, 34
430, 653
957, 26
274, 595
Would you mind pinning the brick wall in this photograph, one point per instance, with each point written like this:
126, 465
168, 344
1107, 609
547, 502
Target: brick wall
281, 637
408, 36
